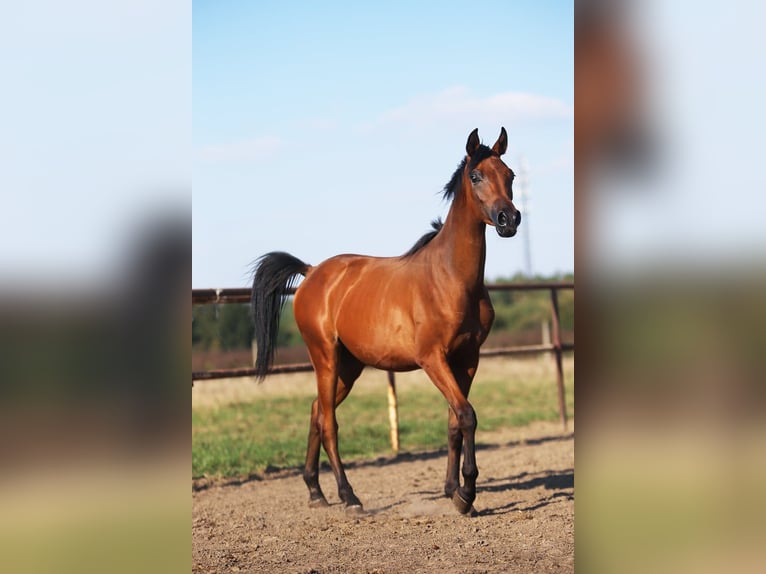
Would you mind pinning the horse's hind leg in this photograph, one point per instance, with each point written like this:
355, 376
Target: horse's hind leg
347, 370
311, 470
330, 395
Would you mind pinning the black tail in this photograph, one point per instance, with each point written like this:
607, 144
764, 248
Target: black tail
274, 275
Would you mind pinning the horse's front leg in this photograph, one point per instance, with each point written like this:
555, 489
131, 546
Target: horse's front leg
454, 447
438, 370
465, 495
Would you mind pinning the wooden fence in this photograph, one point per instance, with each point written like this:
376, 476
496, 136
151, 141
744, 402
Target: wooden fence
556, 347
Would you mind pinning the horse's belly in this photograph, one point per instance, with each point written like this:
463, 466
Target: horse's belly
378, 332
382, 350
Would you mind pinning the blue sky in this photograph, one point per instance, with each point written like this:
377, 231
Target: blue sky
95, 134
325, 128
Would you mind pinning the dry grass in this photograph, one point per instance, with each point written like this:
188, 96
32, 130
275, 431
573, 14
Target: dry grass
222, 392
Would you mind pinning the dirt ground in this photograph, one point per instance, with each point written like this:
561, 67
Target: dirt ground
523, 518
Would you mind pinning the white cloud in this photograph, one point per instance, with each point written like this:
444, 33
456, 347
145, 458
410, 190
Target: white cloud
255, 149
458, 104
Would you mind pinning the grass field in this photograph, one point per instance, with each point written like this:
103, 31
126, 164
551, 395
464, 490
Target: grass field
240, 427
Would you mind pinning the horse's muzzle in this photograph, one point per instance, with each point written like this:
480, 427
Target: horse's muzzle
506, 221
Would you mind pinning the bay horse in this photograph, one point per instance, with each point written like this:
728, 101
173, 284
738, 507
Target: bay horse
427, 309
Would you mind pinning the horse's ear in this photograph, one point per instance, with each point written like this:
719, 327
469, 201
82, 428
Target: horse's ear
473, 142
502, 143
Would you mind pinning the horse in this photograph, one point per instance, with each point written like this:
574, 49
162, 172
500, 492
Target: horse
427, 309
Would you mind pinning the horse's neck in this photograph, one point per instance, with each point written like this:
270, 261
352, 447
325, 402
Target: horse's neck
464, 243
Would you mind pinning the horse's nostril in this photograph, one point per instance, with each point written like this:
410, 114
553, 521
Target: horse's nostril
502, 219
517, 217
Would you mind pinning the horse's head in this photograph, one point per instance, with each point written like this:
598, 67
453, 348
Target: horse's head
488, 182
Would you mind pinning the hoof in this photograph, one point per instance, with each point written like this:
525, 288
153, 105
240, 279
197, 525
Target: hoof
462, 505
318, 502
354, 510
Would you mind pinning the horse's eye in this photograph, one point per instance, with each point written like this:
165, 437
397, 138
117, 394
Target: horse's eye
475, 176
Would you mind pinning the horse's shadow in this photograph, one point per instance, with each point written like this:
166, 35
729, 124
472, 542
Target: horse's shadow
442, 452
560, 481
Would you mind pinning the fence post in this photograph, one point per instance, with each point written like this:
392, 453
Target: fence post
557, 354
393, 412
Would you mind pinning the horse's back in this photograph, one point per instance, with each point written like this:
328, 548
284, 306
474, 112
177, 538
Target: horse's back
365, 302
319, 296
388, 311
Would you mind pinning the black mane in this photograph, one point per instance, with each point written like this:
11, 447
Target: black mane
453, 185
436, 224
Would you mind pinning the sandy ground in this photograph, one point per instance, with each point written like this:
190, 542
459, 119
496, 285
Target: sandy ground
523, 519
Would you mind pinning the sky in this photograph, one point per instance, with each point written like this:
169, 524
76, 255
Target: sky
95, 134
699, 204
330, 129
326, 128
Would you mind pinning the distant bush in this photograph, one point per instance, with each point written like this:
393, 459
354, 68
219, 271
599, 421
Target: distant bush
221, 327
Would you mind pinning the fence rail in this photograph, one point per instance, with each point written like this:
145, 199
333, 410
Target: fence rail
556, 347
242, 294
